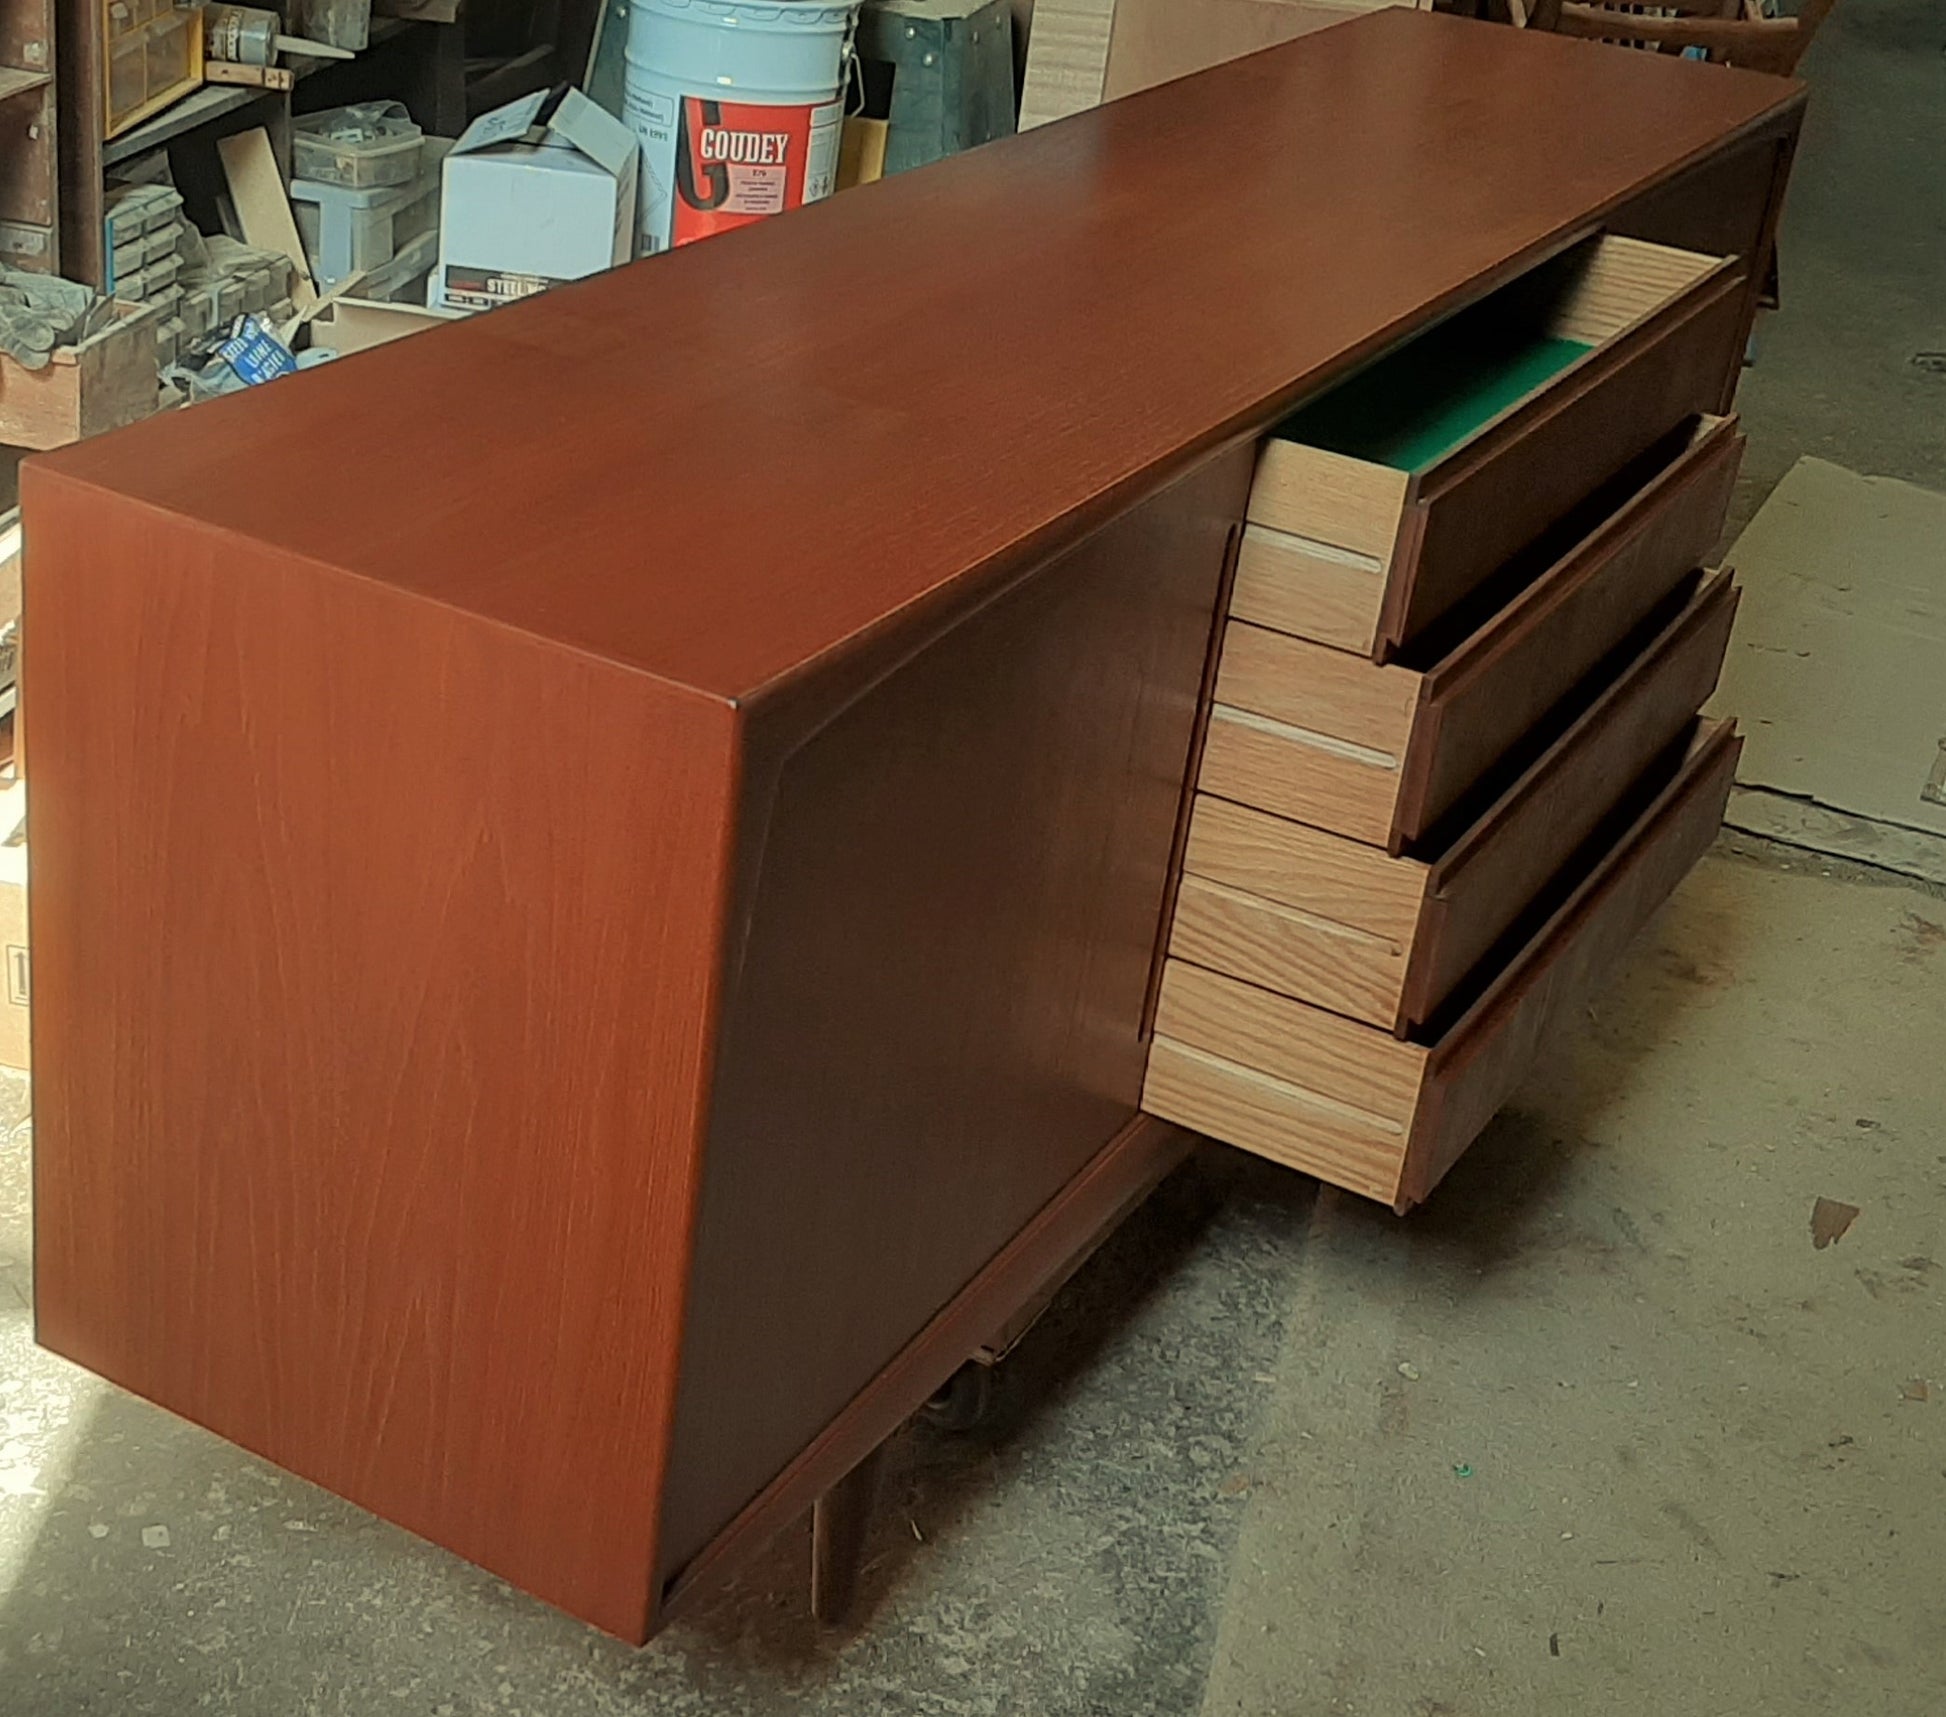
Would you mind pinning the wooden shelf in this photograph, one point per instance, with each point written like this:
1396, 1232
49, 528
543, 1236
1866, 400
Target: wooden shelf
196, 108
15, 81
212, 101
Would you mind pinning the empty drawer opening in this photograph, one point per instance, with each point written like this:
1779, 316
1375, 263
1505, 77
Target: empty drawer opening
1426, 399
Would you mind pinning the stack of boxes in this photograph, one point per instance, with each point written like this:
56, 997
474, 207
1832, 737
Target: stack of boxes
147, 239
229, 280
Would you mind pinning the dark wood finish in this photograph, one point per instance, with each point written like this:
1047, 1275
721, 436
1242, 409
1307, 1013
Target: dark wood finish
1499, 686
1727, 206
1472, 513
1352, 240
385, 1171
1186, 808
81, 118
1478, 1065
1127, 1168
840, 1520
29, 159
769, 998
956, 862
1479, 888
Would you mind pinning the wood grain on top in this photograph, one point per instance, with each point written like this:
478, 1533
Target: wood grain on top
719, 465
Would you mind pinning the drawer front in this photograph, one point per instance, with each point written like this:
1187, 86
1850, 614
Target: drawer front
1498, 686
1480, 1063
1274, 1119
1494, 872
1354, 1106
1289, 1082
1501, 493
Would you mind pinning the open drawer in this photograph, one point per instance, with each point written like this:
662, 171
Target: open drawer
1385, 1118
1381, 752
1384, 503
1390, 940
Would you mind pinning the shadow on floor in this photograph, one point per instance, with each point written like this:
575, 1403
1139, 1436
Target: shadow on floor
1069, 1553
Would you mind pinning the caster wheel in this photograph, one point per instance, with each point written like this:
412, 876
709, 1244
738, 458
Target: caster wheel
965, 1400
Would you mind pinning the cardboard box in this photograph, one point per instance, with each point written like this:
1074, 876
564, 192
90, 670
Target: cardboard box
106, 381
535, 194
350, 325
13, 926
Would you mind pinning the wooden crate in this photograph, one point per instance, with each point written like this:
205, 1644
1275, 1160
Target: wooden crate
106, 381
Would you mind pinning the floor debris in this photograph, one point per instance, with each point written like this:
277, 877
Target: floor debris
1830, 1220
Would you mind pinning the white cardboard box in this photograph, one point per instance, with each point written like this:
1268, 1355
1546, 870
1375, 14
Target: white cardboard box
534, 196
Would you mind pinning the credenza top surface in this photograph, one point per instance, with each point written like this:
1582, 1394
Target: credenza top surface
722, 465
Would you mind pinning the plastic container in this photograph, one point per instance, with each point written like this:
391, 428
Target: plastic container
403, 279
126, 260
376, 143
739, 108
133, 210
198, 310
151, 281
152, 53
346, 232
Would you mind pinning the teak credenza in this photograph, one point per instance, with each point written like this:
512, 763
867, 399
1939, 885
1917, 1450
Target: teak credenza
610, 880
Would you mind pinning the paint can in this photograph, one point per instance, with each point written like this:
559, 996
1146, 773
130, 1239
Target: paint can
739, 108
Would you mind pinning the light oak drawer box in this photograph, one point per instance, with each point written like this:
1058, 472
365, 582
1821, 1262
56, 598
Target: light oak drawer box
1384, 1118
1383, 752
1381, 505
1390, 940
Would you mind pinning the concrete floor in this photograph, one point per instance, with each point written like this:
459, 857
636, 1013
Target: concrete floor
1598, 1423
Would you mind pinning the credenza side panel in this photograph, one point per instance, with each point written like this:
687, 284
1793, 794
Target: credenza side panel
942, 958
374, 950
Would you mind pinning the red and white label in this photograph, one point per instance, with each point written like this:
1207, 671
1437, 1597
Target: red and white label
710, 165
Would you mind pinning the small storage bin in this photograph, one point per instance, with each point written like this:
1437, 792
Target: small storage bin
359, 231
152, 54
376, 143
132, 210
